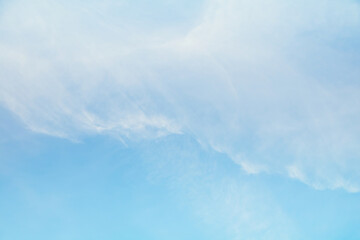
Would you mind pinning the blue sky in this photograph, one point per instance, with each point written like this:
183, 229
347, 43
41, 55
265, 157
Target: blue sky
171, 188
213, 119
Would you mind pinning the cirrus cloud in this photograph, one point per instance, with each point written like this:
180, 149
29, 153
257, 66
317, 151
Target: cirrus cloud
273, 84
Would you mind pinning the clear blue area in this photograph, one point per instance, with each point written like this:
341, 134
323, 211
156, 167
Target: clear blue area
52, 188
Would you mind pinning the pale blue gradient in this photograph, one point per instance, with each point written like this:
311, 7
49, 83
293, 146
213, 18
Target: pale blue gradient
168, 189
212, 119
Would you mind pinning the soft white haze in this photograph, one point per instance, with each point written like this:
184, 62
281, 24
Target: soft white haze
272, 84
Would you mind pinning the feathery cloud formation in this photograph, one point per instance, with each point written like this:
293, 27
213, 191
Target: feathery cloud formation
273, 84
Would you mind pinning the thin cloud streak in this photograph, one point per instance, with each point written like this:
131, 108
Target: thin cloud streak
246, 78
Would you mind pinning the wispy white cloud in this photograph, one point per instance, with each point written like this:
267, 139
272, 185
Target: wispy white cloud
271, 81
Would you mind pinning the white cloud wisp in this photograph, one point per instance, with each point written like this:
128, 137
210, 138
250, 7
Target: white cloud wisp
269, 83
